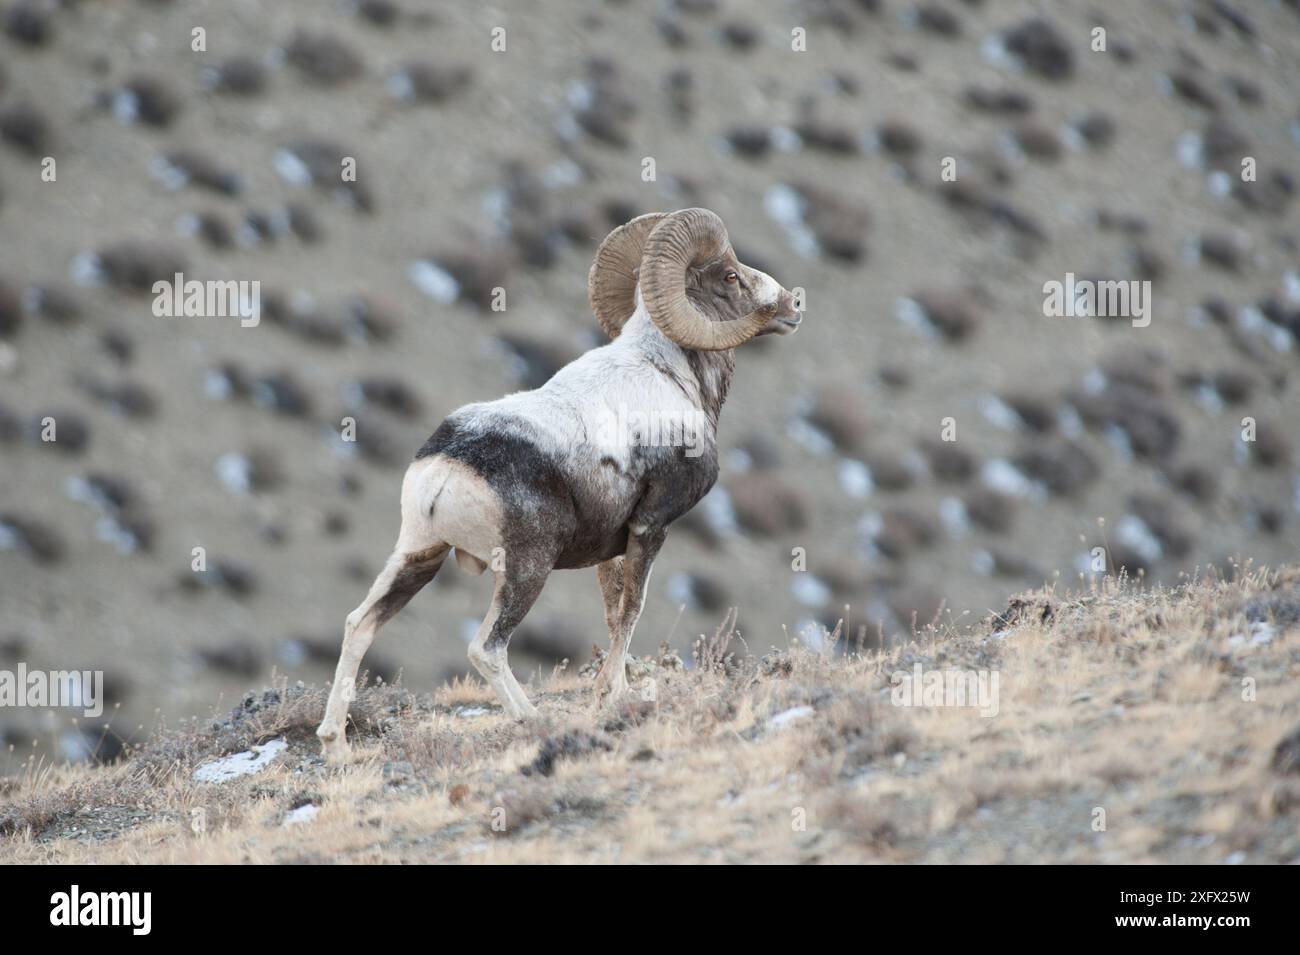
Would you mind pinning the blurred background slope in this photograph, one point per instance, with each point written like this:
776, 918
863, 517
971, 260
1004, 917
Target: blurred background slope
479, 169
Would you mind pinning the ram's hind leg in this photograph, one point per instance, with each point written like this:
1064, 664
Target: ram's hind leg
514, 595
401, 579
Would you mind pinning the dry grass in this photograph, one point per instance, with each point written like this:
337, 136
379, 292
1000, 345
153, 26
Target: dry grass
1117, 703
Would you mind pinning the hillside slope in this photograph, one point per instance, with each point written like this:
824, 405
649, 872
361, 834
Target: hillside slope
1126, 726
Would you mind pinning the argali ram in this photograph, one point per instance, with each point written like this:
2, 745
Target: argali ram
569, 475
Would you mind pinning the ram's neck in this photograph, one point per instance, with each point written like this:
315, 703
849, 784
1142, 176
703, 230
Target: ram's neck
698, 373
713, 370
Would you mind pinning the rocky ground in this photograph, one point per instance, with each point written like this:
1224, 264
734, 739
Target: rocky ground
1125, 727
479, 169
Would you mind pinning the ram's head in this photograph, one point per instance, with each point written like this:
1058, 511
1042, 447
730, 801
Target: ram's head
694, 288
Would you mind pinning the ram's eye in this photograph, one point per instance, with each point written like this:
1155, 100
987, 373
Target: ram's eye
732, 278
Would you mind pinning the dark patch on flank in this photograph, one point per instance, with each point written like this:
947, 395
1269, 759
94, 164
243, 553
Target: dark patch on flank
566, 522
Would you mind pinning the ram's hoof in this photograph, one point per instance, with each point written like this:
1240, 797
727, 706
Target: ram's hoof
527, 712
335, 749
610, 689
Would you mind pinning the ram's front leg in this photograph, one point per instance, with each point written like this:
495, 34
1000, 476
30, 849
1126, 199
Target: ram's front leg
642, 547
610, 576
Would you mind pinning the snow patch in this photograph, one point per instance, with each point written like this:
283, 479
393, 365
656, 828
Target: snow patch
301, 815
254, 760
786, 717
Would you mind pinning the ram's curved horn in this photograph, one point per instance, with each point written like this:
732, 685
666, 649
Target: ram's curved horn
611, 283
684, 240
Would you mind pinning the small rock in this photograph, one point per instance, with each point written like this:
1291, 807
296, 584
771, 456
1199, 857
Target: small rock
37, 540
425, 81
750, 142
129, 266
26, 129
1003, 102
739, 35
324, 59
30, 23
1286, 755
147, 100
182, 167
319, 163
1039, 48
237, 76
951, 314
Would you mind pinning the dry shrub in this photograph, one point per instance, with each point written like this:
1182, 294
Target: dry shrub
430, 749
850, 734
988, 786
46, 804
630, 712
713, 654
536, 799
464, 691
881, 824
574, 744
456, 744
1118, 770
1025, 608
